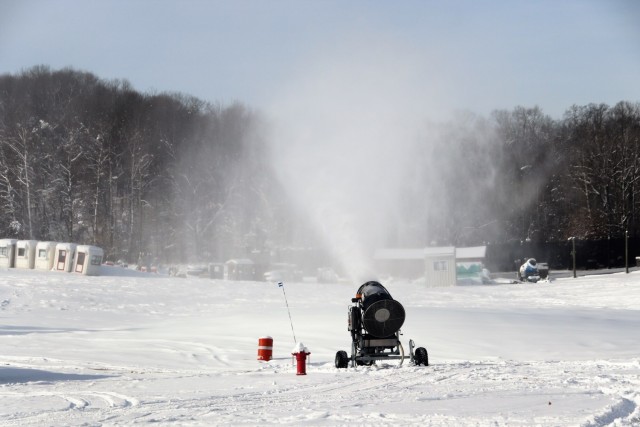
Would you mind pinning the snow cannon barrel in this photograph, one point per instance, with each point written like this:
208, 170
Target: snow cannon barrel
382, 316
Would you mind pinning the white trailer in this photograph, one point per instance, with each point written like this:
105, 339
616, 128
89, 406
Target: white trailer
65, 253
45, 253
8, 253
26, 253
88, 260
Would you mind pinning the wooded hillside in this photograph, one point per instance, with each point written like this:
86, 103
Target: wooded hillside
93, 161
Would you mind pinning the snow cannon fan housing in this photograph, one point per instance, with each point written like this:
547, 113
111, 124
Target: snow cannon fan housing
374, 320
382, 316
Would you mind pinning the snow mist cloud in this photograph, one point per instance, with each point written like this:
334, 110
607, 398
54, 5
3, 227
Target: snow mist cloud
344, 125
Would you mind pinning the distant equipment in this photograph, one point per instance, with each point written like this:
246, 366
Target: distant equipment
528, 271
374, 321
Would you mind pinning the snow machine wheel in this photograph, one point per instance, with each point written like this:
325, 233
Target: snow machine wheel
342, 360
421, 356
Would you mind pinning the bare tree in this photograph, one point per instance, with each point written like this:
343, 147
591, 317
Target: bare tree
7, 194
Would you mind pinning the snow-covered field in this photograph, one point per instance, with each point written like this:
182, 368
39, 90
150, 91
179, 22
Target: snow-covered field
132, 348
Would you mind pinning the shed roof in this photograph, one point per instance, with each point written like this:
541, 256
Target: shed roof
432, 251
471, 252
66, 245
46, 244
90, 249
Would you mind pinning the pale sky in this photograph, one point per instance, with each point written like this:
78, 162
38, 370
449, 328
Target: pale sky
439, 56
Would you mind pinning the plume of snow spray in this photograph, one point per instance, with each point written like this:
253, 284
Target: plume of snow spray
343, 128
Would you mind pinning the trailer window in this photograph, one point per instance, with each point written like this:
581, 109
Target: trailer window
21, 252
96, 260
42, 253
440, 266
3, 251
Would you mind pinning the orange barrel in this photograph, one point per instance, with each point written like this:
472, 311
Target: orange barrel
265, 348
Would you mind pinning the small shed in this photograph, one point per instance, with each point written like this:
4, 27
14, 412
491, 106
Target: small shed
239, 269
216, 270
440, 266
26, 253
470, 264
64, 255
88, 260
8, 253
471, 254
45, 252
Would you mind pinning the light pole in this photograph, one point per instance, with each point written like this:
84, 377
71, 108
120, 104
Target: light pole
626, 251
573, 254
609, 250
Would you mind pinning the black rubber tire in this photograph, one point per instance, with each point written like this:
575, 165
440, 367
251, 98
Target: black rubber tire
421, 357
342, 360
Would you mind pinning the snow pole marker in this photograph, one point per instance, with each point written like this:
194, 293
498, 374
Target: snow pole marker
281, 285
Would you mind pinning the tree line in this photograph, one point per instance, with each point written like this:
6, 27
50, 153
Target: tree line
97, 162
92, 161
521, 176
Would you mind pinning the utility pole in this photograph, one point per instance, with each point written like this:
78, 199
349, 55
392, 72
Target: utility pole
573, 254
626, 251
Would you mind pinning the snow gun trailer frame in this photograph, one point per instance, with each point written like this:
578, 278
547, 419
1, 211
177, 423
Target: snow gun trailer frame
374, 321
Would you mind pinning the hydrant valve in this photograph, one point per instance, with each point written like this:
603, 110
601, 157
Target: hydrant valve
300, 352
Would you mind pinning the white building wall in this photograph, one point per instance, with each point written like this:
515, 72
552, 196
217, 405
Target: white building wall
26, 253
45, 254
65, 253
8, 253
440, 270
88, 260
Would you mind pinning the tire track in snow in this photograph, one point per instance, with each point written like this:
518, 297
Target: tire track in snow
91, 406
231, 407
75, 402
338, 392
612, 379
347, 392
368, 384
618, 412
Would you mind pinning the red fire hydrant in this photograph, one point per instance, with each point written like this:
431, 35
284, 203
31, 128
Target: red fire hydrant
301, 352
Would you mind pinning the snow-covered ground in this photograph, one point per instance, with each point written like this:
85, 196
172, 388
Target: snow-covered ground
132, 348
